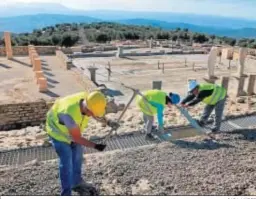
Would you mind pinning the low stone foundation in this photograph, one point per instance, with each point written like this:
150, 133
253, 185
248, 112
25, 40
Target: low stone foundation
23, 50
15, 116
66, 62
20, 115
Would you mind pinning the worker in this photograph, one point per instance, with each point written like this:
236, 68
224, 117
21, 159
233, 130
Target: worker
65, 123
154, 104
214, 96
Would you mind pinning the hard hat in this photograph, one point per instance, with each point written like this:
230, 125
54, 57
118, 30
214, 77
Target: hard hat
192, 84
96, 103
175, 98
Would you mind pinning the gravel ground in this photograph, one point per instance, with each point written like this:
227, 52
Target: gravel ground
194, 166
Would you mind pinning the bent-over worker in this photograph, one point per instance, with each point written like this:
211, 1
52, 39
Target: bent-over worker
155, 104
213, 95
65, 122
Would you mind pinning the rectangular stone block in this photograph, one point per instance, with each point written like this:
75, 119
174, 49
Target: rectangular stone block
34, 56
227, 53
38, 75
236, 56
224, 82
37, 64
31, 52
8, 45
42, 82
242, 58
240, 87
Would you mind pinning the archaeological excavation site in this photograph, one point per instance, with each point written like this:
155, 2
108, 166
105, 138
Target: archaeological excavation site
184, 160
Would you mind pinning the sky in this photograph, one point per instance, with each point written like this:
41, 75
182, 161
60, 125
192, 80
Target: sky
231, 8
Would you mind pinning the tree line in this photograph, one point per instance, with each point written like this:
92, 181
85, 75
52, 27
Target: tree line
68, 35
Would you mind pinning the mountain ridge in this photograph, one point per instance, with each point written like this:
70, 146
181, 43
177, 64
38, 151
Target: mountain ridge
27, 23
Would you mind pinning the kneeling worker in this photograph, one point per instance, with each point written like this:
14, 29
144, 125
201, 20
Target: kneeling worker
214, 96
65, 122
155, 105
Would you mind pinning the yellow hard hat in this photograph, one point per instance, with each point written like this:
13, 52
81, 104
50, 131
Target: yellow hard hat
96, 103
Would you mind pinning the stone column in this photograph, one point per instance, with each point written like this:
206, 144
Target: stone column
38, 75
151, 43
251, 85
240, 87
32, 54
224, 82
92, 71
211, 62
241, 64
219, 53
37, 64
8, 45
42, 83
163, 69
119, 51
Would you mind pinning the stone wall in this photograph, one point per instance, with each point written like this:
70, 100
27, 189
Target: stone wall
20, 115
23, 50
66, 62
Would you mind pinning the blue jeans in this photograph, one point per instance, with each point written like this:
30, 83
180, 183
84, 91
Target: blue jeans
70, 165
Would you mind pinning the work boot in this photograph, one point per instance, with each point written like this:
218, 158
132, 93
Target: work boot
200, 123
85, 188
149, 136
214, 130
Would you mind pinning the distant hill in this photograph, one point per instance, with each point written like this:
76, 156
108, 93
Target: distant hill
19, 9
236, 33
28, 23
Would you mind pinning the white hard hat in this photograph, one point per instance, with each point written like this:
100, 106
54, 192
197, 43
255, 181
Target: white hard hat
192, 84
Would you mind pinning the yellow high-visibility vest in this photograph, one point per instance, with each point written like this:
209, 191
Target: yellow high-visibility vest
68, 105
219, 93
156, 96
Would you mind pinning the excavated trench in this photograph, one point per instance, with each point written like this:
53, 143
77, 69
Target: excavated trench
17, 157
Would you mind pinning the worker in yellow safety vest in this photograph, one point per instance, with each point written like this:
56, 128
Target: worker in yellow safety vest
154, 104
214, 96
65, 122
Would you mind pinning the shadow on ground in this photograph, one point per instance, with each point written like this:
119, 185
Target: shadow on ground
129, 58
46, 69
48, 74
206, 144
20, 62
5, 66
51, 94
49, 80
50, 85
44, 64
245, 134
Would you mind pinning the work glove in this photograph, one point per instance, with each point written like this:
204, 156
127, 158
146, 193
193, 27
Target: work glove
113, 124
100, 147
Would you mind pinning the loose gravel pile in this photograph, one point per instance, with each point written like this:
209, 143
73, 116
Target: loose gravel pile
195, 166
